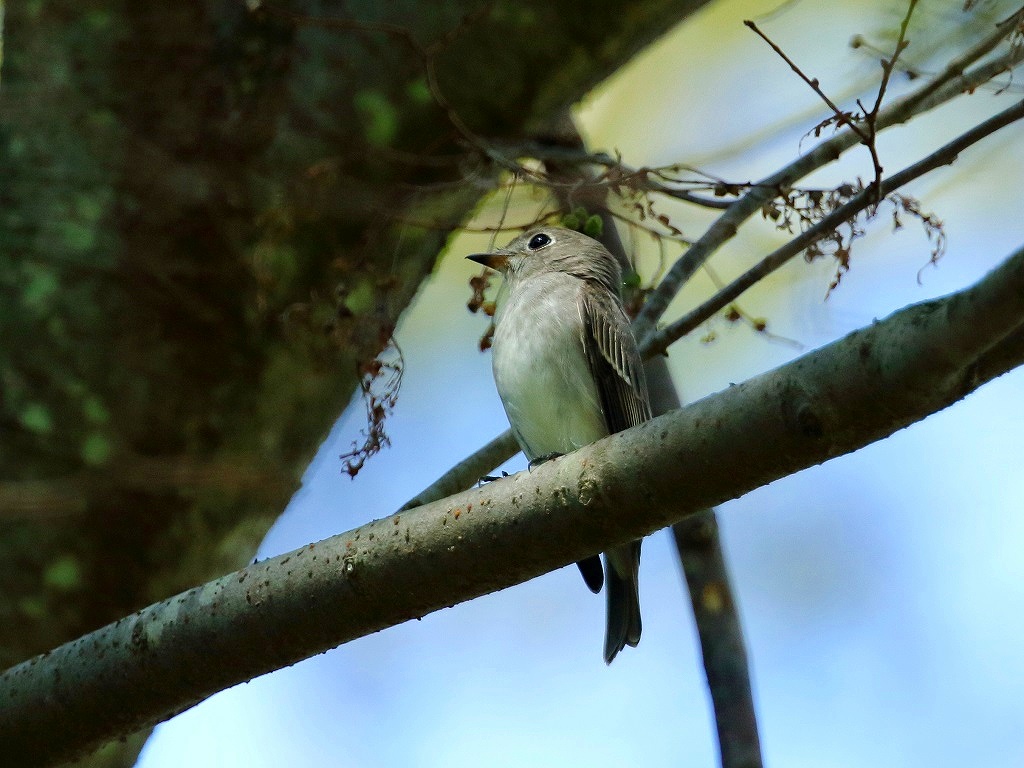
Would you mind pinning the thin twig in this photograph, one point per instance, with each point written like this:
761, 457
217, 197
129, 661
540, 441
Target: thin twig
467, 472
955, 68
616, 173
871, 117
945, 155
951, 82
888, 65
840, 116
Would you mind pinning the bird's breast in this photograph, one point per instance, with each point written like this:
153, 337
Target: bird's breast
541, 369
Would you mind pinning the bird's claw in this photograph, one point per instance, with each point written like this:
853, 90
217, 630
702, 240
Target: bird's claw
534, 463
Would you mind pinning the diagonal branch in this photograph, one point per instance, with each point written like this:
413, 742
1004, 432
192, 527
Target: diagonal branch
719, 629
467, 472
721, 638
945, 155
835, 400
951, 82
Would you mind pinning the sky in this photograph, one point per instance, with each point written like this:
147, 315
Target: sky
882, 593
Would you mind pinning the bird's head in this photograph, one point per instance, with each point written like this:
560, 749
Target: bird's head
545, 250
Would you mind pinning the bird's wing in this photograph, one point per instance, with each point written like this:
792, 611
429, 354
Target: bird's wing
614, 359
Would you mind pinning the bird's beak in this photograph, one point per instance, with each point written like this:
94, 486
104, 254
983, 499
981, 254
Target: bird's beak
498, 261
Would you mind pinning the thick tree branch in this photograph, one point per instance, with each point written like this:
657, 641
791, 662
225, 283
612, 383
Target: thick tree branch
951, 82
837, 399
1003, 357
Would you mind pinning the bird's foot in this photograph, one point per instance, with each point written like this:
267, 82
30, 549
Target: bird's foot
534, 463
491, 478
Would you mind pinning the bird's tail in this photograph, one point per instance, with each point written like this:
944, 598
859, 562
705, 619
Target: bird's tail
621, 578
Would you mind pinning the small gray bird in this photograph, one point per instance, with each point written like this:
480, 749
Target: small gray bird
568, 372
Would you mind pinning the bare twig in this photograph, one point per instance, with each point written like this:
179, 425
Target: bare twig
955, 68
841, 117
871, 116
952, 82
660, 341
887, 68
616, 174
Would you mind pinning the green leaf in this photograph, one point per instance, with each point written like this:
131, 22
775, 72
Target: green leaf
360, 299
37, 418
41, 285
418, 92
32, 607
94, 410
379, 117
64, 574
96, 449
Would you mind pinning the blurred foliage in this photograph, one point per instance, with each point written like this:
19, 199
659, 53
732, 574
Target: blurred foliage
210, 221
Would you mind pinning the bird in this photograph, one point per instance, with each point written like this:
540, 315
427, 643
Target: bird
568, 371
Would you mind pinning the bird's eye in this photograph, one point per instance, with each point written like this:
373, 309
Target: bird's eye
538, 241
